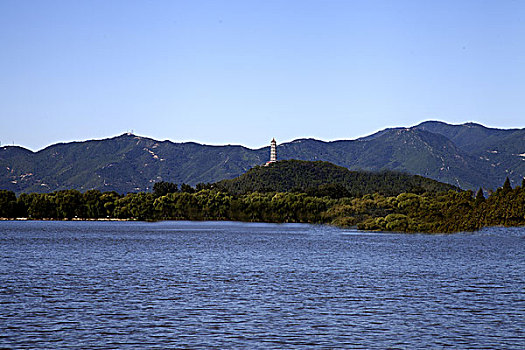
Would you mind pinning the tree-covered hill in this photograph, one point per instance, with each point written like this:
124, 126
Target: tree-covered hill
321, 178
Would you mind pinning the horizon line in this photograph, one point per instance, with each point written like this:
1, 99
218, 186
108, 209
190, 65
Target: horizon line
131, 133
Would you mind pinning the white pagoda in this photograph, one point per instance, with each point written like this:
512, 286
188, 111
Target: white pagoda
273, 152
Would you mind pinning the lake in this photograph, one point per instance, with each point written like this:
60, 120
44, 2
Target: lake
136, 285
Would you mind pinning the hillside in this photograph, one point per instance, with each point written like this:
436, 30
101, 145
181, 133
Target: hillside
468, 155
502, 151
324, 178
126, 163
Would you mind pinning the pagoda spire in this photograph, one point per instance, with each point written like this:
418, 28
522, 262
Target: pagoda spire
273, 152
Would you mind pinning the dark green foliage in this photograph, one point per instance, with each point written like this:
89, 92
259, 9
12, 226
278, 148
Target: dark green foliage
506, 185
68, 204
186, 188
99, 205
23, 202
203, 186
135, 206
8, 204
325, 179
162, 188
42, 207
109, 200
480, 197
335, 190
93, 205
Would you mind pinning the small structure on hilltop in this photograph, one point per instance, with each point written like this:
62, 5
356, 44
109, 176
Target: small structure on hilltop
273, 152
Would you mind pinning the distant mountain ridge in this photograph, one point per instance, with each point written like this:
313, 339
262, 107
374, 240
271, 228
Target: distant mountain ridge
467, 155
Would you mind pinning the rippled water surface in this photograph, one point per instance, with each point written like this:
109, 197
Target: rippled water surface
103, 285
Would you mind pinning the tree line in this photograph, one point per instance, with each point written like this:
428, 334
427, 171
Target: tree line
450, 211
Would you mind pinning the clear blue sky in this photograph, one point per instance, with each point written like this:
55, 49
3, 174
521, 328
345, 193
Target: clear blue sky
242, 72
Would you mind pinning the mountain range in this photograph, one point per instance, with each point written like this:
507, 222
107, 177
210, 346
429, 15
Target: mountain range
469, 156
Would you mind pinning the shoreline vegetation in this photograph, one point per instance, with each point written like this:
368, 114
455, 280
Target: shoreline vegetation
428, 212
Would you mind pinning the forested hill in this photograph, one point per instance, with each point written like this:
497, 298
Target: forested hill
469, 156
320, 178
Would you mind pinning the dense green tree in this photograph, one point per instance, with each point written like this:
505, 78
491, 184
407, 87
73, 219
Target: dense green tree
162, 188
109, 202
480, 197
8, 204
204, 186
135, 206
335, 190
506, 185
186, 188
24, 202
93, 206
42, 207
68, 204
